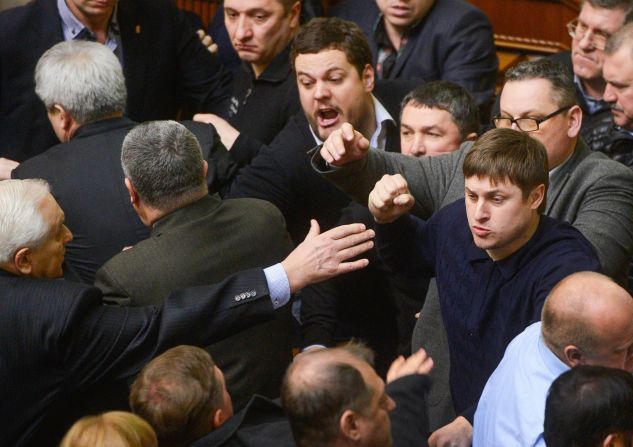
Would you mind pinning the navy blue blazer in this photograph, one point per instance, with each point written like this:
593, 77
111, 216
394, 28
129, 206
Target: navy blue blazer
165, 67
454, 42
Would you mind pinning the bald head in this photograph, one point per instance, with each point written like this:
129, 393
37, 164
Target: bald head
591, 314
332, 396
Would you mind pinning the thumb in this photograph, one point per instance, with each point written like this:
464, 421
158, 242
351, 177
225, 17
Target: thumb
314, 229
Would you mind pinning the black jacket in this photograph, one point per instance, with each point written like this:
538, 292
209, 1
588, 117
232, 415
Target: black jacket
165, 67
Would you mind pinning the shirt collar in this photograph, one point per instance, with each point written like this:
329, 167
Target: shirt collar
553, 363
74, 29
277, 70
379, 137
593, 105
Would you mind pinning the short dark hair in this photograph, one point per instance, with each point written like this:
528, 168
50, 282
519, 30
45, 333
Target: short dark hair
163, 160
506, 154
332, 33
177, 393
448, 96
314, 408
561, 82
586, 404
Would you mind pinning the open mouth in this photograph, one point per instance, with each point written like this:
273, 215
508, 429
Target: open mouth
327, 117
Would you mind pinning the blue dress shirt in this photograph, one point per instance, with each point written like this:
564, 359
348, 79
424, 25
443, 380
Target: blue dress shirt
512, 406
485, 304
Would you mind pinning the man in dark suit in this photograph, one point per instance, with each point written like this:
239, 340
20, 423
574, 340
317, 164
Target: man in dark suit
429, 40
166, 67
196, 239
58, 341
332, 62
84, 171
333, 397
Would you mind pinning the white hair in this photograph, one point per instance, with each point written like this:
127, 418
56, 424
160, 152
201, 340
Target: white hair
84, 77
21, 222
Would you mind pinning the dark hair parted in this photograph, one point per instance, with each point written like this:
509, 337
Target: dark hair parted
562, 84
163, 160
509, 155
177, 393
450, 97
316, 401
332, 33
586, 404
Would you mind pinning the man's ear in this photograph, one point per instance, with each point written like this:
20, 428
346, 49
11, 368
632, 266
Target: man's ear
369, 80
614, 440
537, 195
574, 117
22, 261
350, 426
572, 355
205, 168
295, 12
132, 191
219, 418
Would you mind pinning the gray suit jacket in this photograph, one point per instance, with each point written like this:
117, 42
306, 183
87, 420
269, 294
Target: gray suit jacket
204, 243
590, 191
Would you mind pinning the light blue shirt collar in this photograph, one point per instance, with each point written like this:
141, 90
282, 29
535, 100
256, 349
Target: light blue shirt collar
553, 363
378, 139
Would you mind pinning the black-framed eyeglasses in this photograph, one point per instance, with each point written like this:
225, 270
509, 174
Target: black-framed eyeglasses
526, 124
578, 30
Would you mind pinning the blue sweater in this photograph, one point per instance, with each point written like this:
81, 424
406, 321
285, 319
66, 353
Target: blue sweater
484, 303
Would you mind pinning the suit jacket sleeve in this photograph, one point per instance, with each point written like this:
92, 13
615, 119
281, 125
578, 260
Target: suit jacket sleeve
429, 178
115, 342
409, 420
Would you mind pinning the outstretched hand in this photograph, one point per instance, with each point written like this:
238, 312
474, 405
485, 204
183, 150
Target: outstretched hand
344, 145
418, 363
323, 256
390, 198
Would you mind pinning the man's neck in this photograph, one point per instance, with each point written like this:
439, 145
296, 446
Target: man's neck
368, 126
594, 88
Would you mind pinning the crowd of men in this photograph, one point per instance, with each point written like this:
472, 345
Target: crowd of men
333, 243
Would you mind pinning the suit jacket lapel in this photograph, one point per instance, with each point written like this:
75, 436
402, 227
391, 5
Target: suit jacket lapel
559, 179
136, 38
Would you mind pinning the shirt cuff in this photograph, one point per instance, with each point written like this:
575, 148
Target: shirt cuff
278, 285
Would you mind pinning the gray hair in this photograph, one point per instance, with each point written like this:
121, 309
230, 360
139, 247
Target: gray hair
622, 37
21, 222
625, 5
85, 78
163, 160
